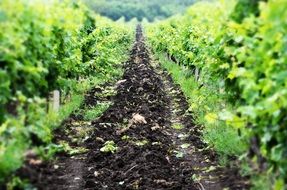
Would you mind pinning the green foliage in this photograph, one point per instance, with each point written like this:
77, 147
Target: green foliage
46, 47
177, 126
245, 8
96, 111
244, 62
72, 151
17, 183
140, 9
224, 139
109, 146
141, 142
216, 133
47, 152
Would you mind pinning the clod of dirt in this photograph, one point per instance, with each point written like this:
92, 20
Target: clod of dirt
137, 119
35, 162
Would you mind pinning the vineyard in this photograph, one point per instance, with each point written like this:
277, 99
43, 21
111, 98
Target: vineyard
197, 101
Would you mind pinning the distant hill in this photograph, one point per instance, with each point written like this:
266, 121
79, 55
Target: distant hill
129, 9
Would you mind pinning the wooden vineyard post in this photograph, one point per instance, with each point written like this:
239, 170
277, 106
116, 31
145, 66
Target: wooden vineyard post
56, 101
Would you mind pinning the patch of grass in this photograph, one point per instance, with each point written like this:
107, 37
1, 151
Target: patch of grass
96, 111
205, 98
224, 139
53, 119
18, 183
72, 151
108, 91
47, 152
68, 108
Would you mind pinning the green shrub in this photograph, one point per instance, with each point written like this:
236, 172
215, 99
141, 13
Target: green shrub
244, 62
46, 47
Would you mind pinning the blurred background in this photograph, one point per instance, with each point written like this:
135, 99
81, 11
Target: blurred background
140, 9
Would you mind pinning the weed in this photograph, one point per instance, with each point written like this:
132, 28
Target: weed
125, 138
96, 111
177, 126
202, 101
72, 151
18, 183
141, 143
47, 152
109, 146
179, 154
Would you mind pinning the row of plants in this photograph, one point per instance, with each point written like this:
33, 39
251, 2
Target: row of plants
46, 46
237, 51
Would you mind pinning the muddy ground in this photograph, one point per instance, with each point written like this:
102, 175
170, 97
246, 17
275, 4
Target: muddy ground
145, 140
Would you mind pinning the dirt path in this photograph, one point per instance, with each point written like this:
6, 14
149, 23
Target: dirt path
190, 149
145, 140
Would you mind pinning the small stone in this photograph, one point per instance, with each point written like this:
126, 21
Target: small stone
137, 118
121, 183
155, 127
100, 139
96, 174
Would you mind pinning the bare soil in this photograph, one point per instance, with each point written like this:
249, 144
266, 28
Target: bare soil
151, 152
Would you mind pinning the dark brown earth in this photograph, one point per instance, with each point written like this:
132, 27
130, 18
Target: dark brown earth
150, 153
